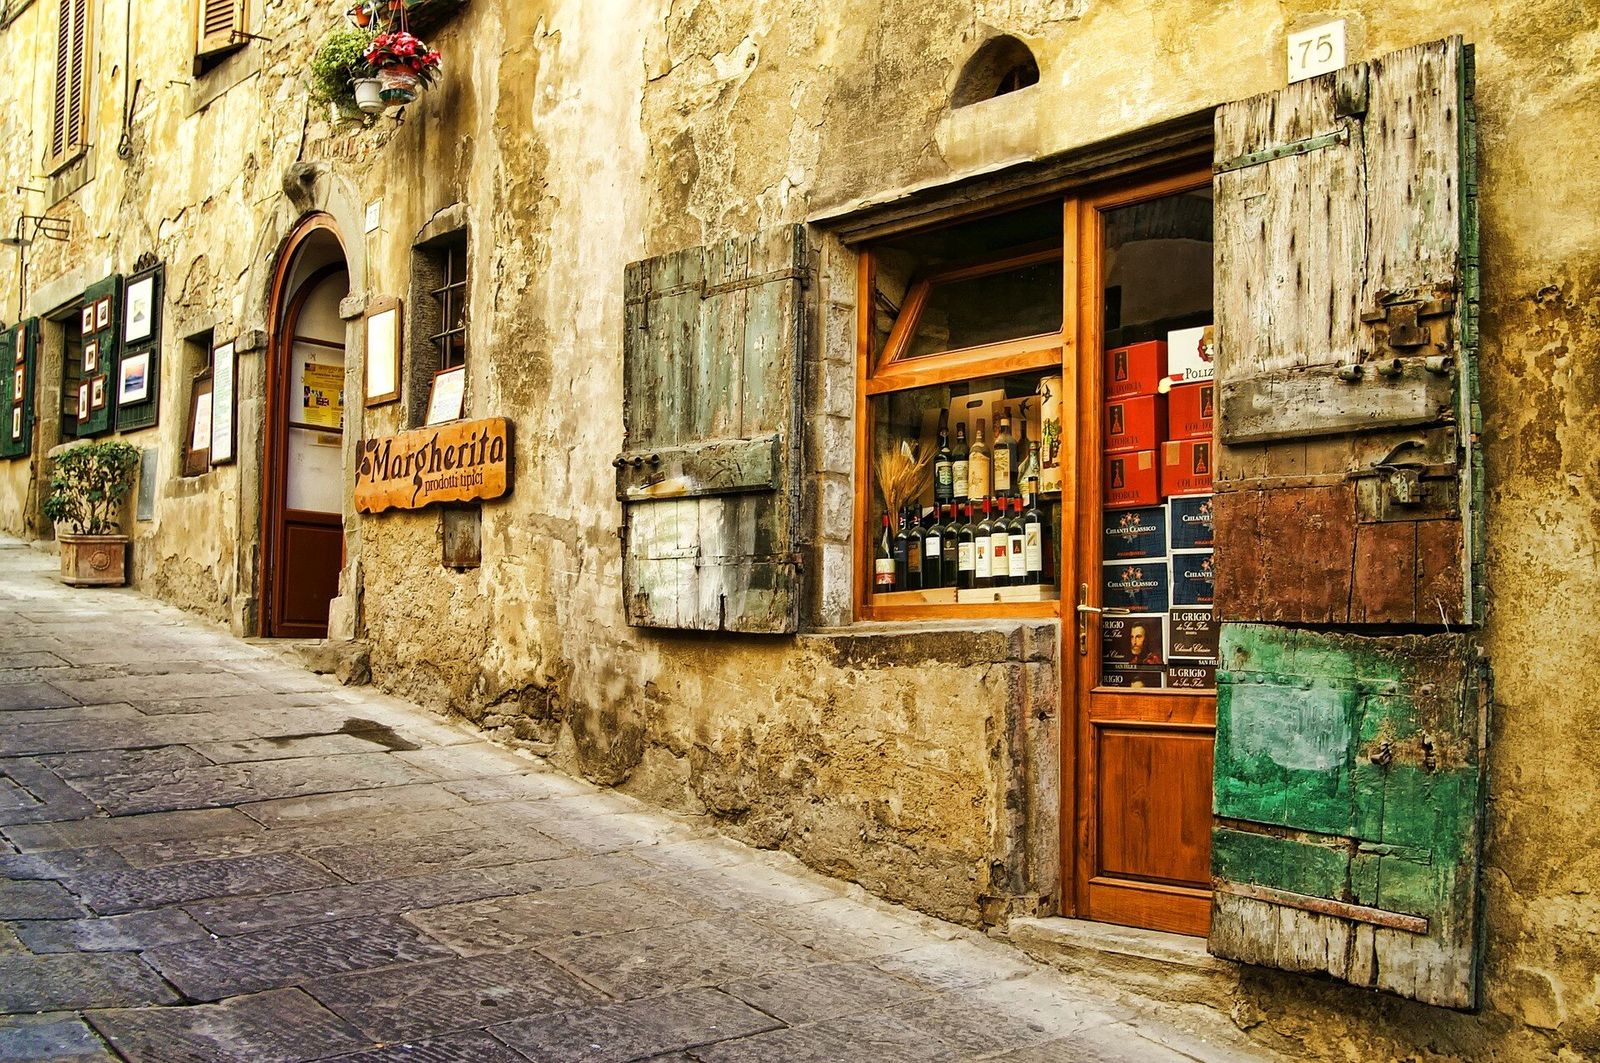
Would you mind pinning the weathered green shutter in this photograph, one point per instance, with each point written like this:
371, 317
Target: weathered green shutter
98, 422
1349, 762
709, 474
145, 413
25, 333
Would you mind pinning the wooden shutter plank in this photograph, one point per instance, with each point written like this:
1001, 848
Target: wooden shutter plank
218, 23
78, 88
718, 385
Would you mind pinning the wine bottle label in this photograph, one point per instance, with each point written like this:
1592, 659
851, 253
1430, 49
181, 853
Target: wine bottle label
958, 479
944, 475
1033, 547
999, 549
883, 573
1002, 471
1017, 558
913, 558
933, 547
978, 476
985, 551
964, 559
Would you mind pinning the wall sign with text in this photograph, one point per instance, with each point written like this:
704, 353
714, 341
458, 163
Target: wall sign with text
458, 462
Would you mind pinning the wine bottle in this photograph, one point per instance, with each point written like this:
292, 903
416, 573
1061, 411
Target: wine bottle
1028, 477
959, 471
1005, 455
966, 550
1017, 546
948, 538
1000, 546
943, 465
883, 561
979, 466
983, 549
1033, 538
932, 551
914, 545
901, 543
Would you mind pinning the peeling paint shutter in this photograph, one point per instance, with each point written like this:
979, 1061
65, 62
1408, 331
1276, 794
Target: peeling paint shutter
1349, 762
220, 21
16, 407
98, 421
708, 477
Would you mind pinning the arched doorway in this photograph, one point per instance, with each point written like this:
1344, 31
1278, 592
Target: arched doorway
302, 540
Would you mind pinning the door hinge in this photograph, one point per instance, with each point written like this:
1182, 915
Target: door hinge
1285, 151
1399, 322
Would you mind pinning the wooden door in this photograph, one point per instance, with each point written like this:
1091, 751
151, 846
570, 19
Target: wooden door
1143, 749
305, 528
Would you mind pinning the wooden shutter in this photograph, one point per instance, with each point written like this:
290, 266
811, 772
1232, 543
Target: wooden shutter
69, 108
1349, 760
709, 474
98, 420
219, 23
23, 337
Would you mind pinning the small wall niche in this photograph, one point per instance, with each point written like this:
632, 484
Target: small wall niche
1001, 65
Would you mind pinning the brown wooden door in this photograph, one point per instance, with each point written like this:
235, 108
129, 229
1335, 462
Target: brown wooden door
1143, 751
304, 525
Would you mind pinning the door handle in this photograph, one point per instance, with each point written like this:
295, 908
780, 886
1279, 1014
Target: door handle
1084, 608
1089, 608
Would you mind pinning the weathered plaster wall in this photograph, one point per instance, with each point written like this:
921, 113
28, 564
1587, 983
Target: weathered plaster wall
580, 136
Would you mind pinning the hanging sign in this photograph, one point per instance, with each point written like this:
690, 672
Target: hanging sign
457, 462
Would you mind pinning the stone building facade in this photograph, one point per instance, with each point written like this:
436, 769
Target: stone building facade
930, 759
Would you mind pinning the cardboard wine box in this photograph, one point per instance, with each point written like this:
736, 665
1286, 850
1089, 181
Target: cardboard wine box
1191, 354
1132, 640
1191, 409
1192, 635
1194, 580
1135, 370
1134, 533
1134, 423
1133, 678
1131, 480
1183, 675
1136, 586
1047, 430
1186, 467
1190, 525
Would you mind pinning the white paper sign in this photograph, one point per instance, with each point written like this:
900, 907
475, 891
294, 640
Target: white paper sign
1316, 51
222, 404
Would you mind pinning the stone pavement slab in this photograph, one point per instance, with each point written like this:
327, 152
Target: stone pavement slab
209, 854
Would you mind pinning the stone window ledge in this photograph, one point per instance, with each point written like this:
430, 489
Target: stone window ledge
961, 642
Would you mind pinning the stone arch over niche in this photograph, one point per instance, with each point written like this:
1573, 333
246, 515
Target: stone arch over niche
309, 189
1001, 65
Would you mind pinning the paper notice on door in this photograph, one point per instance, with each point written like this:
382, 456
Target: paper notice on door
323, 387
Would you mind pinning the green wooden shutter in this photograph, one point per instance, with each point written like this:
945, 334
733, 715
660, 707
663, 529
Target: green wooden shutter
98, 421
144, 413
16, 433
1349, 762
709, 474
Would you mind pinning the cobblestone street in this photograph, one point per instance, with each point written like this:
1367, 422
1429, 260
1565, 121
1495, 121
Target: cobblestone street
213, 854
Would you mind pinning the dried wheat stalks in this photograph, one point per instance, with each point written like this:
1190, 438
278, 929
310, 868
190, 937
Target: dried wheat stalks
903, 475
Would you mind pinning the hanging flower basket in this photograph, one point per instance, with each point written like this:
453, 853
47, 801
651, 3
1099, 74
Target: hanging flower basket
369, 94
404, 64
397, 87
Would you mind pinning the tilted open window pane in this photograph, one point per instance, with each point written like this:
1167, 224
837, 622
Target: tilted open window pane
974, 468
974, 309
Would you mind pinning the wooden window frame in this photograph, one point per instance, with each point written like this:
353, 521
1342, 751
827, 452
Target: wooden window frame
209, 48
453, 290
892, 372
75, 136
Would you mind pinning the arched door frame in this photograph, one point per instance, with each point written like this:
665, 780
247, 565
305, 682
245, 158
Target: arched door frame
283, 307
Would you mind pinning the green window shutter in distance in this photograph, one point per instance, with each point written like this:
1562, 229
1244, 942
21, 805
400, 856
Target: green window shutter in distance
17, 417
98, 421
709, 474
1349, 768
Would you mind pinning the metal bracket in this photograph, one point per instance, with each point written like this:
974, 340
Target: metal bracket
1400, 323
1284, 151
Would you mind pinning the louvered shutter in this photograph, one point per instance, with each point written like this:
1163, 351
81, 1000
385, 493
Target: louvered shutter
98, 419
69, 105
219, 22
1349, 760
709, 474
19, 347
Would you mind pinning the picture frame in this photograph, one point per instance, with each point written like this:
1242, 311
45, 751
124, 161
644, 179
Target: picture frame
383, 346
102, 314
86, 320
133, 379
97, 392
224, 367
91, 356
446, 396
138, 317
16, 423
22, 345
197, 437
82, 411
19, 385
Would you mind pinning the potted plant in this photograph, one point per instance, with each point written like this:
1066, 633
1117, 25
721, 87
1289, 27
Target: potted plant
88, 485
404, 64
340, 73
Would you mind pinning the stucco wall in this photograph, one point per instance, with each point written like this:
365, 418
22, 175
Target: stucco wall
580, 136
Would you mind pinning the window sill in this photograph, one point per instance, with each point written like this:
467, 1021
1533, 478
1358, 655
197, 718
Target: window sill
70, 174
979, 641
214, 80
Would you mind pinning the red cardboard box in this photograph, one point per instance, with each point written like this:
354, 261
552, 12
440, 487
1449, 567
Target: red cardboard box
1134, 423
1131, 480
1190, 409
1186, 466
1135, 370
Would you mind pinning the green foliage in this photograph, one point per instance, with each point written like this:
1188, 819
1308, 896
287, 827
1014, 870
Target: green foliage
88, 485
341, 58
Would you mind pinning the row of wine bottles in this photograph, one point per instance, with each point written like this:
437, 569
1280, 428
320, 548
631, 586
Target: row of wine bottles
1002, 469
997, 544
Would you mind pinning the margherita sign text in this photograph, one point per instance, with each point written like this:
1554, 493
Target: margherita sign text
456, 462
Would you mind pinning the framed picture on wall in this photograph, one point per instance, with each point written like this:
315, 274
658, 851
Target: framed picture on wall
133, 379
102, 314
86, 320
97, 392
83, 400
91, 356
19, 385
138, 318
16, 423
449, 389
383, 351
197, 440
224, 364
22, 345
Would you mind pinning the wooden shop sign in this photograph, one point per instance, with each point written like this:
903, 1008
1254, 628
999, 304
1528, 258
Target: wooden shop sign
456, 462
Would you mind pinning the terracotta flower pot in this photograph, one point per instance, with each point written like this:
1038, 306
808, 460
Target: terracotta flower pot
94, 560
